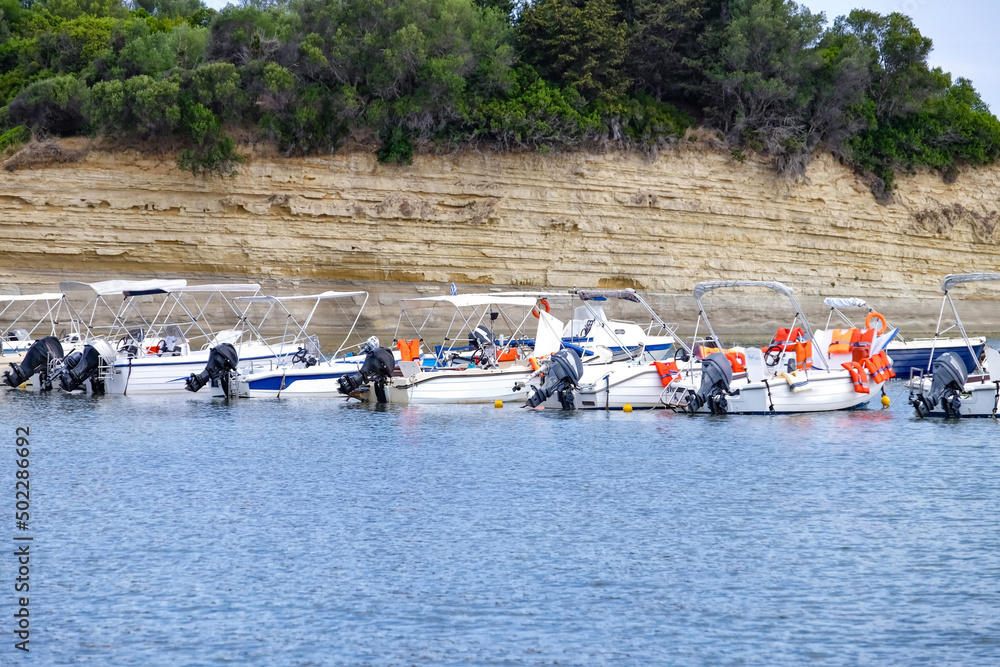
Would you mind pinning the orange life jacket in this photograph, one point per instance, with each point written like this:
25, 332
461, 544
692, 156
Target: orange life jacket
875, 367
408, 349
804, 355
841, 341
786, 338
859, 376
880, 367
510, 355
737, 359
668, 371
861, 343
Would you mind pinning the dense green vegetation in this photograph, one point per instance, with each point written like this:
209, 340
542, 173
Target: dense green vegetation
769, 75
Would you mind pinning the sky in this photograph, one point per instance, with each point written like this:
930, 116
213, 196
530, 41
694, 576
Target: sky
963, 32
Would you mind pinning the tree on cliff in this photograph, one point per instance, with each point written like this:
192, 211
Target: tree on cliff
581, 43
310, 74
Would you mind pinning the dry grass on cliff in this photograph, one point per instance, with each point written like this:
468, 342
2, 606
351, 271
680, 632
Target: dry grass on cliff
43, 153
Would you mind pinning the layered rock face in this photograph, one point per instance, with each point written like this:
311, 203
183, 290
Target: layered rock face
523, 221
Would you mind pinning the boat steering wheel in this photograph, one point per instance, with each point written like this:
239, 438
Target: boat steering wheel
772, 355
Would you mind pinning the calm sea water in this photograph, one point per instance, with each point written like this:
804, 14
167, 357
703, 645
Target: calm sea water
184, 531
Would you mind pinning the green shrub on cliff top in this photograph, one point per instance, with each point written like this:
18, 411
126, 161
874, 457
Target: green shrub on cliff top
768, 74
52, 106
13, 138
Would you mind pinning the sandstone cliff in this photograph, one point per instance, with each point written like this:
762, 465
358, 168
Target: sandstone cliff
487, 221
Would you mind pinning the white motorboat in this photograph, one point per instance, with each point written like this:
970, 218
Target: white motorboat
637, 354
800, 371
307, 372
590, 327
484, 355
160, 342
26, 319
953, 387
908, 354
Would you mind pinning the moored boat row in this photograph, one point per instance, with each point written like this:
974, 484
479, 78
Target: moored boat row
501, 346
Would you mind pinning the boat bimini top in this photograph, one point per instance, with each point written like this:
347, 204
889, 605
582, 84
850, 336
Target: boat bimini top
595, 316
954, 279
951, 281
838, 305
629, 294
851, 302
183, 310
126, 287
294, 332
27, 316
701, 289
476, 312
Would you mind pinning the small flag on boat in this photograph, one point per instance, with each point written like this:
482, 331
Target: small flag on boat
454, 290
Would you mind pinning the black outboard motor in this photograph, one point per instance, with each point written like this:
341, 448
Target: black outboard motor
38, 359
221, 366
949, 376
563, 376
484, 349
377, 369
716, 376
80, 366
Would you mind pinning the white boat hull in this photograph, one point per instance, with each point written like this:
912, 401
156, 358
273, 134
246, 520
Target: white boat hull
158, 375
319, 380
460, 386
641, 388
637, 386
979, 398
828, 390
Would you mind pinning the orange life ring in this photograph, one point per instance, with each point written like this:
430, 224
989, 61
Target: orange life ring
871, 316
545, 304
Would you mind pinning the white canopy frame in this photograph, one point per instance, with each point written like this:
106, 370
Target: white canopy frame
294, 332
951, 281
181, 306
470, 311
47, 310
779, 288
99, 313
837, 305
656, 325
631, 295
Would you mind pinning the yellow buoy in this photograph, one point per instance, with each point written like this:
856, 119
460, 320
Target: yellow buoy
885, 401
627, 408
498, 404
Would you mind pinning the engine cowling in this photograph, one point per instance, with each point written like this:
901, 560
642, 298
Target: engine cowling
948, 378
716, 377
222, 364
377, 369
83, 365
562, 376
39, 358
